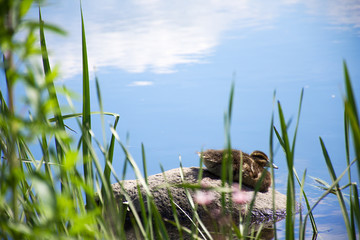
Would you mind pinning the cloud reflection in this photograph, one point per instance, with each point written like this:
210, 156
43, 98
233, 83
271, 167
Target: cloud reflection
138, 36
156, 35
344, 14
140, 84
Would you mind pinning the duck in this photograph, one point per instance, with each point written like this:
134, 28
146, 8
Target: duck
252, 166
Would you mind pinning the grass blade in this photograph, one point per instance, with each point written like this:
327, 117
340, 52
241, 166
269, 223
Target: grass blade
86, 118
352, 115
284, 138
290, 193
351, 234
47, 70
349, 92
312, 219
355, 204
59, 121
271, 157
110, 153
173, 206
329, 190
144, 162
297, 121
231, 100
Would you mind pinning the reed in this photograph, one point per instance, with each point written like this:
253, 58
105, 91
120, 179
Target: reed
51, 197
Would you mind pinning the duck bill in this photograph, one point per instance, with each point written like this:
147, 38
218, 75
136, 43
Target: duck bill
273, 165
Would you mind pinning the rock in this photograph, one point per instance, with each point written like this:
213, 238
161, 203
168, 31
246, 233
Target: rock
262, 211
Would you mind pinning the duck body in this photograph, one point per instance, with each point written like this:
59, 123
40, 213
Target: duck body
252, 166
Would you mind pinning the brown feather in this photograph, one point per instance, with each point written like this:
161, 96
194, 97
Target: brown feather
253, 166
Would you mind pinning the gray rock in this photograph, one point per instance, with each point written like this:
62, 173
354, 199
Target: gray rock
262, 211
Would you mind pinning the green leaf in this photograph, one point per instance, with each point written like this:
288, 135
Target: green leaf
45, 195
24, 7
70, 160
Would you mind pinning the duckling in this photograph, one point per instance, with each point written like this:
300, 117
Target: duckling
253, 166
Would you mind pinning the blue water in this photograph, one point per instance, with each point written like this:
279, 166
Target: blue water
167, 68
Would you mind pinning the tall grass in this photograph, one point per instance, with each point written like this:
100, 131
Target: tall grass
289, 150
43, 197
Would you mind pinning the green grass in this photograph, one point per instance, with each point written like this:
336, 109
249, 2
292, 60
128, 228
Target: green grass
49, 198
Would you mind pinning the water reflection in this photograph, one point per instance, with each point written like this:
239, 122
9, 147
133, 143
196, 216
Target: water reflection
262, 232
138, 36
153, 35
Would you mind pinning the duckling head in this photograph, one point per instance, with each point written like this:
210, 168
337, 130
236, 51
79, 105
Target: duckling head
261, 159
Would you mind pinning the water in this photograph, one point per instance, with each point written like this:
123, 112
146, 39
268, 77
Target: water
167, 66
